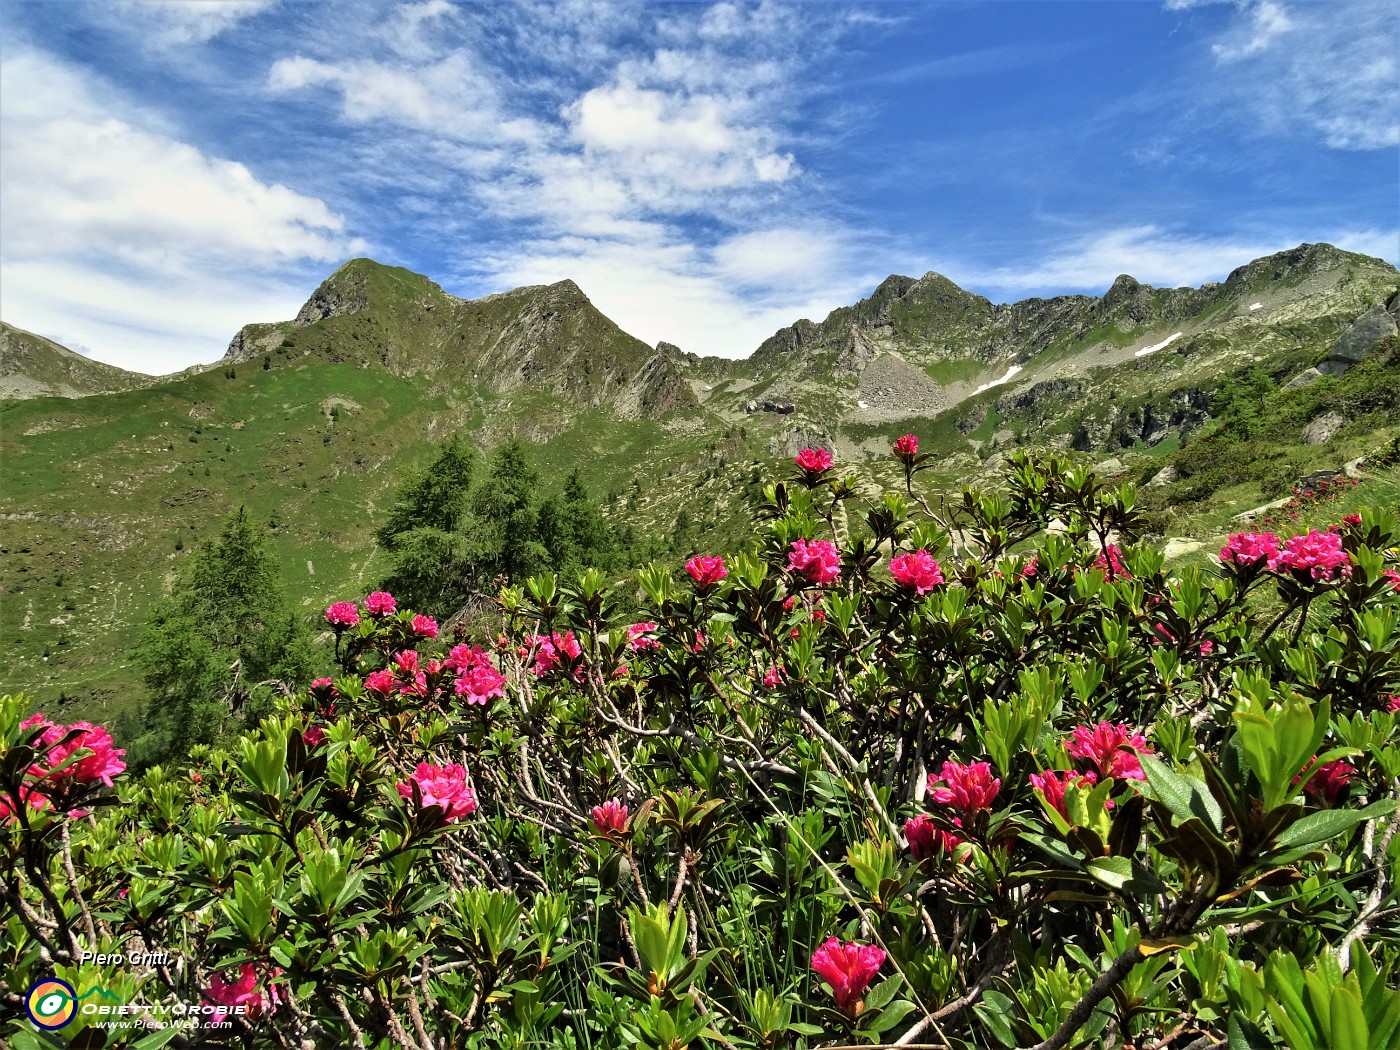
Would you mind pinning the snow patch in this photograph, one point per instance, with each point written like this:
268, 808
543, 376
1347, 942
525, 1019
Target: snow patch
1256, 306
997, 382
1153, 349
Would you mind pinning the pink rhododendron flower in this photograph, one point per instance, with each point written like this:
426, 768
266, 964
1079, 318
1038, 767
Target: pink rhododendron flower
610, 818
1051, 785
381, 681
926, 839
1207, 647
380, 603
321, 686
104, 763
1317, 553
917, 572
637, 637
1249, 548
848, 969
1330, 780
1110, 560
465, 657
813, 460
773, 677
312, 735
907, 447
816, 560
1393, 576
243, 992
444, 786
480, 683
969, 789
425, 626
1393, 704
706, 570
1351, 519
28, 796
406, 662
1032, 567
342, 615
1104, 744
552, 651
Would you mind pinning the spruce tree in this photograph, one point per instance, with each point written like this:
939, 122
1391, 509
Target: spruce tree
423, 532
225, 628
503, 530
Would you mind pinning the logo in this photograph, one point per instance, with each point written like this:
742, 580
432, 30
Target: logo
51, 1003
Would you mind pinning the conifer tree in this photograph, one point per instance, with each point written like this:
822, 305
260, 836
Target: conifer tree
225, 628
503, 531
423, 531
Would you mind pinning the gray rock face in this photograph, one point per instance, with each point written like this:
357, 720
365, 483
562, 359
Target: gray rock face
1365, 334
334, 298
1302, 379
1165, 476
1109, 466
1177, 546
1322, 429
791, 442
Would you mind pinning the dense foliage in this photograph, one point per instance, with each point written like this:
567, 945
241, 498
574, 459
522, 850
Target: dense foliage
939, 777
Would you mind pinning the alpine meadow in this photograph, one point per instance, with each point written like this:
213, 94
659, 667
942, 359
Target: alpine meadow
446, 667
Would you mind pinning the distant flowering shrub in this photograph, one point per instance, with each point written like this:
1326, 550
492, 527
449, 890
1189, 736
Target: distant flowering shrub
429, 847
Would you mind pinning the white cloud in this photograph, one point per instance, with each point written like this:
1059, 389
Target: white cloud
180, 23
109, 203
1267, 21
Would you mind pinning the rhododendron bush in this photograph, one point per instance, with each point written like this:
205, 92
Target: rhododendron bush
895, 774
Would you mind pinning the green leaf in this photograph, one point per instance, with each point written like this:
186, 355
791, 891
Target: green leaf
1329, 823
1185, 796
883, 992
1348, 1022
1244, 1034
889, 1017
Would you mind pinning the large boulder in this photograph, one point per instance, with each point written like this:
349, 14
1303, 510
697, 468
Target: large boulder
1363, 336
1322, 429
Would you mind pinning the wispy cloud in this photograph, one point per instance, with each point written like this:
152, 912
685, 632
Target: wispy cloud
984, 61
1329, 67
1154, 256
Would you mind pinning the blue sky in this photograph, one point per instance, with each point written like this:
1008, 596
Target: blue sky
707, 173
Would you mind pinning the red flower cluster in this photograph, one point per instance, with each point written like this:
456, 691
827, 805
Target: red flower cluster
56, 745
927, 839
341, 615
380, 603
1328, 782
816, 560
610, 819
244, 992
813, 460
1308, 497
969, 789
1110, 748
1110, 560
1250, 548
553, 650
907, 447
639, 638
425, 627
848, 968
1051, 785
444, 786
706, 571
917, 571
1394, 577
1317, 554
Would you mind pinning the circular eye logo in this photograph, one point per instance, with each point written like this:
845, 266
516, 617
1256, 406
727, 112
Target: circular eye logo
51, 1003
